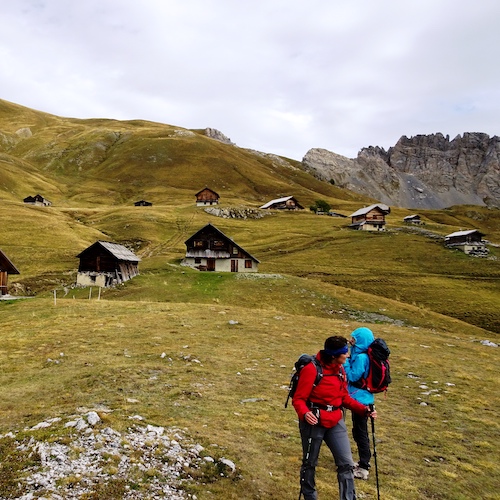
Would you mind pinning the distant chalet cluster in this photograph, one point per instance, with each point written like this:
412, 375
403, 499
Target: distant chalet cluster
106, 264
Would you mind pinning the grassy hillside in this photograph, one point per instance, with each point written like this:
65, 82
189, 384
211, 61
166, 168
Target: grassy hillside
317, 278
110, 162
223, 380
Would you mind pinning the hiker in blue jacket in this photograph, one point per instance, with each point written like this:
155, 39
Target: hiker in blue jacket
356, 368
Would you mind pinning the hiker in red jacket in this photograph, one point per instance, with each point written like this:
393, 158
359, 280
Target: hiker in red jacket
321, 418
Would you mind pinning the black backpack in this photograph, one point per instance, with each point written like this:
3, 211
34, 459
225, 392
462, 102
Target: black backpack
303, 360
379, 372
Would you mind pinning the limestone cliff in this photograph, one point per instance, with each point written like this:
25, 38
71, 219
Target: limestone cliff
424, 171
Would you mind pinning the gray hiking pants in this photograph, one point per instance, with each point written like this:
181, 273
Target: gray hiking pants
337, 441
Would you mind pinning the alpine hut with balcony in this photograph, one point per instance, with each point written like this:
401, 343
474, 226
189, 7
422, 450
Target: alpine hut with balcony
106, 264
209, 249
470, 242
286, 203
206, 197
6, 268
370, 218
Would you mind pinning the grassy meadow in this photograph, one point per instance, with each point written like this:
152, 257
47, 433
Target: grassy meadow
225, 383
212, 353
231, 399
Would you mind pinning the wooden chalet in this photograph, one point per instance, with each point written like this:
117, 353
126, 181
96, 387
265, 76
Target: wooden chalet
106, 264
470, 242
209, 249
370, 218
412, 219
286, 203
143, 203
206, 196
6, 268
37, 200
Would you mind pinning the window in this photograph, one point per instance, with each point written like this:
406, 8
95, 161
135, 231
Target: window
217, 244
198, 243
248, 264
197, 260
235, 251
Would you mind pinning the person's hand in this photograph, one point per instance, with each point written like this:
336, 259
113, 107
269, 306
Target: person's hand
311, 418
372, 414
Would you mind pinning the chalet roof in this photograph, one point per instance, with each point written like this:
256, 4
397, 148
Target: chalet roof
362, 211
208, 189
36, 197
6, 264
463, 233
220, 233
277, 200
116, 250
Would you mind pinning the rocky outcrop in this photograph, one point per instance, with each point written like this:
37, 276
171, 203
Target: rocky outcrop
425, 171
218, 136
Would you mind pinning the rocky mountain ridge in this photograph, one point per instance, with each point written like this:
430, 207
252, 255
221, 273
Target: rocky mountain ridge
424, 171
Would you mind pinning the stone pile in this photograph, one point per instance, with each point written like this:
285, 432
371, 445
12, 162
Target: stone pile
237, 212
146, 461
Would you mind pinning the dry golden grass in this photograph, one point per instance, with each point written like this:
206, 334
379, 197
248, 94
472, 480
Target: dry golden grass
226, 384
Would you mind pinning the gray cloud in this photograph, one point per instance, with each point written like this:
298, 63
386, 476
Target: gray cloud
277, 76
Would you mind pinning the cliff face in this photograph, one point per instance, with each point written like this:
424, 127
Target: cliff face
425, 171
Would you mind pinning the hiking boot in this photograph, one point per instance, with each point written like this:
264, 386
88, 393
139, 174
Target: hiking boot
360, 473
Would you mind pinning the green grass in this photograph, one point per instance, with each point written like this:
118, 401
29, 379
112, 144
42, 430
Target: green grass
112, 355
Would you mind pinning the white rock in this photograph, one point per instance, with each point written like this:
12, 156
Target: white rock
93, 418
228, 463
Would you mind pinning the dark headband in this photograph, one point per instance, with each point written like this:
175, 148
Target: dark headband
337, 352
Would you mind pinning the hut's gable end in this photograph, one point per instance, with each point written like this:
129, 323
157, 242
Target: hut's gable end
211, 250
207, 196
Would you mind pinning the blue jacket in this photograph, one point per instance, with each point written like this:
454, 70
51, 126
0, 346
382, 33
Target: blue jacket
358, 363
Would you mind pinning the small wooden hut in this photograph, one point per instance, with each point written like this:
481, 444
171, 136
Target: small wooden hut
143, 203
470, 242
286, 203
37, 200
106, 264
412, 219
206, 196
6, 268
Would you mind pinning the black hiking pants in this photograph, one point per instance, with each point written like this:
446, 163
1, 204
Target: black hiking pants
360, 435
337, 440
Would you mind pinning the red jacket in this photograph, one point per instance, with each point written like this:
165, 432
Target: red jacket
332, 390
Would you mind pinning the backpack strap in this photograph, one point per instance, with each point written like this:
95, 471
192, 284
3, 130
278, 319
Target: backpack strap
319, 371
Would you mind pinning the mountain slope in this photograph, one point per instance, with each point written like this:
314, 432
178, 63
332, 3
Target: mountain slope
114, 162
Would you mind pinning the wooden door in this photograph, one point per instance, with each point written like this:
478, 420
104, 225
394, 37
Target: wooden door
234, 266
210, 264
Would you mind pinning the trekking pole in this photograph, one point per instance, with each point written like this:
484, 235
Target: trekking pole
306, 458
375, 451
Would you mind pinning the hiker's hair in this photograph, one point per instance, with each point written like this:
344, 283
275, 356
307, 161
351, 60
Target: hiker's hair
332, 344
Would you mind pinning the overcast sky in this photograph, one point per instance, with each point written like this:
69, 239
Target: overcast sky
277, 76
